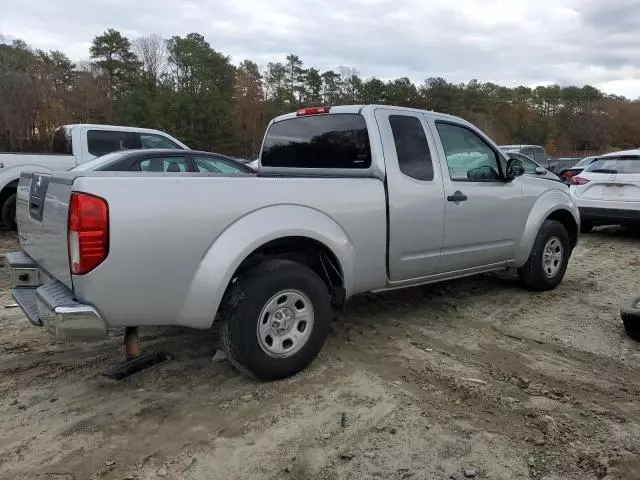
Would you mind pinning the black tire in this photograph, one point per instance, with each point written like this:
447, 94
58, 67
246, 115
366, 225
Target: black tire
243, 304
630, 314
586, 226
8, 212
532, 274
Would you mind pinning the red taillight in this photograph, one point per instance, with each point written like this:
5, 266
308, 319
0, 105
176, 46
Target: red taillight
88, 232
577, 180
312, 111
569, 174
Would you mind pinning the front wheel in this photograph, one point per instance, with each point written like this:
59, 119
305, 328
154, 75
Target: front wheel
548, 259
275, 319
9, 212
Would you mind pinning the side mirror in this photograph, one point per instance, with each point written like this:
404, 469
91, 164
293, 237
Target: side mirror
541, 171
515, 168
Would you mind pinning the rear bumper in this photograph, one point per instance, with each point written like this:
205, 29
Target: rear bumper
49, 303
609, 215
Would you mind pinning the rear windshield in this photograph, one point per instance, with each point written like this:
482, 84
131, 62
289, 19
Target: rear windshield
615, 165
320, 141
61, 143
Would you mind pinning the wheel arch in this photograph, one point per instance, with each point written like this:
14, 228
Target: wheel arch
568, 222
291, 232
552, 205
10, 188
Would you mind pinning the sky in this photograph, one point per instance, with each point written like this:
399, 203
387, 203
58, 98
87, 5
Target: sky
509, 42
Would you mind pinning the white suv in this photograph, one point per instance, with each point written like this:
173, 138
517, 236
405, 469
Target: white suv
607, 192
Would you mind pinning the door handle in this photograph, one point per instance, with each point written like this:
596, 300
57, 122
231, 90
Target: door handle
458, 196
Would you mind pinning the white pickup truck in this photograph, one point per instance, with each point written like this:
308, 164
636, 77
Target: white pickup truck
347, 200
71, 146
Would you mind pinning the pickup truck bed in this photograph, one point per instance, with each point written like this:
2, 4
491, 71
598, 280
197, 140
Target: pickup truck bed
189, 266
348, 200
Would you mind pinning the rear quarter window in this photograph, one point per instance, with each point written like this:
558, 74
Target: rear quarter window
320, 141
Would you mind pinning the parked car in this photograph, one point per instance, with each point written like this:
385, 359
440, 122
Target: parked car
73, 145
535, 152
531, 167
164, 160
567, 173
350, 199
607, 192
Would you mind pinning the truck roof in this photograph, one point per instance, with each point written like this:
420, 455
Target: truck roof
110, 127
359, 109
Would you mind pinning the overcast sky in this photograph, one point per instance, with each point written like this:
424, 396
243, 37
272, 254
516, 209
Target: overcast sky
511, 42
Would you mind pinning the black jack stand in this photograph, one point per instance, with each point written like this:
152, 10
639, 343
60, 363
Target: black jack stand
135, 361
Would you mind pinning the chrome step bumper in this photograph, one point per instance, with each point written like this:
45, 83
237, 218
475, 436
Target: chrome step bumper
49, 303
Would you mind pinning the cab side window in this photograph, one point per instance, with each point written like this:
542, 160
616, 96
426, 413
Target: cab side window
101, 142
150, 140
170, 164
469, 157
529, 166
214, 164
412, 147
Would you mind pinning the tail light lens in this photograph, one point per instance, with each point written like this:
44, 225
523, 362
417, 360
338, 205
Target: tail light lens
569, 174
578, 180
88, 232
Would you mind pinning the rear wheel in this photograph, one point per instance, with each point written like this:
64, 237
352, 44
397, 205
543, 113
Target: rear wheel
8, 212
548, 259
275, 319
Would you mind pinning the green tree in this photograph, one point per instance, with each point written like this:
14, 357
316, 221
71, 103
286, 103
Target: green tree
113, 55
373, 91
331, 91
184, 86
200, 110
294, 80
313, 81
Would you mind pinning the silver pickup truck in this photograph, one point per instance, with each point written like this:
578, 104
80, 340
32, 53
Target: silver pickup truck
348, 199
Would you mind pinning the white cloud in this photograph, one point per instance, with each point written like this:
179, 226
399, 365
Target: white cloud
509, 42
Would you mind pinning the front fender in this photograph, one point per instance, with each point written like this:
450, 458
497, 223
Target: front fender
546, 204
242, 238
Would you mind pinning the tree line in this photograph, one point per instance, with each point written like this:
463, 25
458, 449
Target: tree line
185, 87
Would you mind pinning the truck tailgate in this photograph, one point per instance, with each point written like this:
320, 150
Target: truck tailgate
41, 213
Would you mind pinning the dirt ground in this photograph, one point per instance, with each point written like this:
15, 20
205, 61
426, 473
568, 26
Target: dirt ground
415, 384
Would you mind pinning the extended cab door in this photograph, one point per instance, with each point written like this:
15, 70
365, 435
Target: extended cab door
415, 194
483, 212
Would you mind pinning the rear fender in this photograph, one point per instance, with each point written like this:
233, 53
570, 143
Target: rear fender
546, 204
246, 235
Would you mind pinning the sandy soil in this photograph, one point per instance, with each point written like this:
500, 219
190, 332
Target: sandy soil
416, 384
